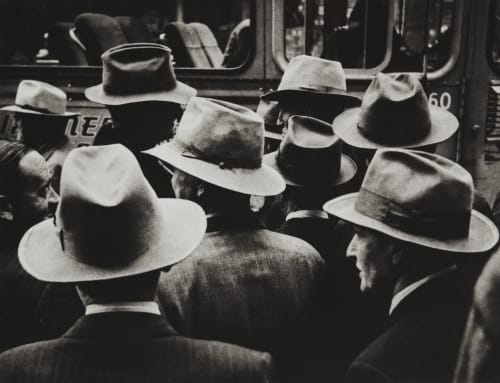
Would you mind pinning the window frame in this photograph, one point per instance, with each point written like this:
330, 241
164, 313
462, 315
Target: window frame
281, 61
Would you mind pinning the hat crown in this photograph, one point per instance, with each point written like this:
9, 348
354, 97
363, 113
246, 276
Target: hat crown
137, 68
310, 153
106, 217
395, 110
314, 74
221, 132
41, 97
418, 192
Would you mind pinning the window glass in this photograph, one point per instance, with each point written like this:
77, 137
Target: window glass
355, 32
201, 33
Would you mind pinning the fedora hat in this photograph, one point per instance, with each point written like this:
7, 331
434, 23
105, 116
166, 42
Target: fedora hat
109, 223
223, 144
395, 113
136, 73
308, 75
420, 198
269, 111
40, 98
311, 155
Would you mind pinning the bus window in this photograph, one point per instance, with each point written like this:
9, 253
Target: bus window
353, 32
357, 32
201, 33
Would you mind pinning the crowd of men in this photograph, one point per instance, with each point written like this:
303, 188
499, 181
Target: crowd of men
175, 250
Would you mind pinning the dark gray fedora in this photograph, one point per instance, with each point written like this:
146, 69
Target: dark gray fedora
310, 155
395, 113
136, 73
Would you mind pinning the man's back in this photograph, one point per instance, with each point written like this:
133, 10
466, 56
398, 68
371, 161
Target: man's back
131, 347
250, 287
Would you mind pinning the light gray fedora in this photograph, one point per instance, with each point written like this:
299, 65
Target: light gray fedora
109, 223
420, 198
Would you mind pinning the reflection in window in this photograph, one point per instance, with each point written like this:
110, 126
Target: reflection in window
355, 32
77, 32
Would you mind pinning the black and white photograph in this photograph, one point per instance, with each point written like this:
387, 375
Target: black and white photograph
249, 191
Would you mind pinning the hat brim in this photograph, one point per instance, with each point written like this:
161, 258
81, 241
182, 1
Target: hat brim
348, 170
180, 94
444, 125
19, 109
483, 234
263, 181
279, 95
183, 225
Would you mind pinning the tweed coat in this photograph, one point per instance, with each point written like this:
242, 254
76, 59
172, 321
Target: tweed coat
246, 286
480, 350
131, 347
421, 342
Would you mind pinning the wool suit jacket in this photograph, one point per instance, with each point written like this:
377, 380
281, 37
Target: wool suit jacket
480, 350
32, 310
131, 347
422, 340
246, 286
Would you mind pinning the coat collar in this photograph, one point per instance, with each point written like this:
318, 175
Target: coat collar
120, 325
441, 293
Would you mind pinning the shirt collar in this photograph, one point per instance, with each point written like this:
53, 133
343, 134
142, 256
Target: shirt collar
149, 307
320, 214
403, 294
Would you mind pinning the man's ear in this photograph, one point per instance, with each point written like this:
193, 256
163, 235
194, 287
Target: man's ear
200, 189
6, 213
398, 251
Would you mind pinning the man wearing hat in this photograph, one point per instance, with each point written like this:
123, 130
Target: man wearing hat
41, 117
314, 87
243, 284
395, 113
111, 236
311, 162
144, 98
416, 232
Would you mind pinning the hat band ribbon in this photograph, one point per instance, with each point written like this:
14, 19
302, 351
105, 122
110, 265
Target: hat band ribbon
224, 163
36, 109
395, 135
435, 224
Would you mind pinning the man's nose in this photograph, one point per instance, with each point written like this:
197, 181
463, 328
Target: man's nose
53, 200
351, 249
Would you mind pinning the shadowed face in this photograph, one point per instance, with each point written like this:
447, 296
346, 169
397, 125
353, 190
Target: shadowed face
374, 253
185, 185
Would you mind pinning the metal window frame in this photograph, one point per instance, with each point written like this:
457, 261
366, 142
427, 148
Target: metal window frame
279, 57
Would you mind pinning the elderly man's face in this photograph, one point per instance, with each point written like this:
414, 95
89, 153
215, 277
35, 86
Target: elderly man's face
374, 254
35, 199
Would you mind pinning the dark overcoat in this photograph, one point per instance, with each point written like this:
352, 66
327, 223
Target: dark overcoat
131, 347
